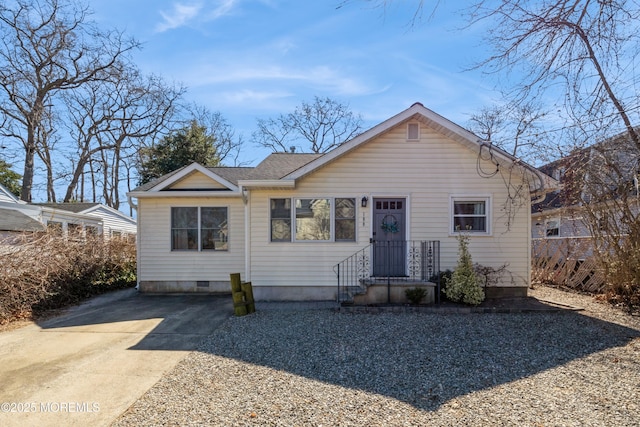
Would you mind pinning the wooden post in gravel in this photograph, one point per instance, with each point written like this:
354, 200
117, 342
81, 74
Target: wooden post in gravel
239, 303
248, 295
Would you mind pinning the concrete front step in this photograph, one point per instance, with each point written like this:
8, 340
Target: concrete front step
379, 293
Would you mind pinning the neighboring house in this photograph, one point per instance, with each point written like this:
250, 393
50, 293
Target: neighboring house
50, 218
93, 218
559, 221
387, 205
114, 223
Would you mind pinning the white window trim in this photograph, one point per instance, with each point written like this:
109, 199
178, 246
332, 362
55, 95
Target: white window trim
486, 198
332, 218
546, 227
199, 229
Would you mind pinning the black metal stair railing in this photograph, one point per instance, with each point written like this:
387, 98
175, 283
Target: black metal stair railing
353, 274
388, 262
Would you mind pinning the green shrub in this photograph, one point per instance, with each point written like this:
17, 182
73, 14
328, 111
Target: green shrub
415, 295
464, 285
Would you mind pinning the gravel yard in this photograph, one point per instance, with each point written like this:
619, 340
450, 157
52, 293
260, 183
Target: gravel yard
323, 368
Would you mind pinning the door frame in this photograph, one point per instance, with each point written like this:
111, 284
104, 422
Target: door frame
407, 218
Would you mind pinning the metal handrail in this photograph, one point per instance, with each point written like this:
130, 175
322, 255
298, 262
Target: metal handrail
396, 262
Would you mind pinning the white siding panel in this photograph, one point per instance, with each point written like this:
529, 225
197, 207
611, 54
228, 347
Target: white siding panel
159, 263
196, 181
114, 223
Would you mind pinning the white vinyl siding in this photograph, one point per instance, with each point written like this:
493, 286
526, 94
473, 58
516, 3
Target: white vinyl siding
426, 173
197, 181
114, 223
157, 262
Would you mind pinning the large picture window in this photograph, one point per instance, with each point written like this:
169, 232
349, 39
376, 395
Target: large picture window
199, 228
313, 219
470, 215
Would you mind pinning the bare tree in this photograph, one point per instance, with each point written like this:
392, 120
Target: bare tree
228, 145
109, 121
579, 57
516, 129
579, 51
47, 47
420, 8
317, 127
47, 138
582, 52
513, 129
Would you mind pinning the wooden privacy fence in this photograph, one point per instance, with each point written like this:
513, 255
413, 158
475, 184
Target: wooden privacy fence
567, 262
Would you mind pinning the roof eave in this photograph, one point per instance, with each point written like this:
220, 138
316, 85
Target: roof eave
441, 124
267, 183
193, 167
182, 194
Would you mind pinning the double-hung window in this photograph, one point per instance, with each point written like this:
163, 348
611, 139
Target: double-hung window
552, 228
199, 228
313, 219
470, 214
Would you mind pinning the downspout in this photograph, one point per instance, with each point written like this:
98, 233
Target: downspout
246, 199
138, 238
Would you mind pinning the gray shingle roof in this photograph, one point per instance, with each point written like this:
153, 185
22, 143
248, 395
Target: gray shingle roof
275, 166
149, 185
278, 165
232, 174
70, 207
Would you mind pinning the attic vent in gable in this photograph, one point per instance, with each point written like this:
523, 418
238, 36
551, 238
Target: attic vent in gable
413, 131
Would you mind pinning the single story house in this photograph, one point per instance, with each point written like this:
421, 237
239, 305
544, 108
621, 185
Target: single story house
17, 216
384, 208
113, 222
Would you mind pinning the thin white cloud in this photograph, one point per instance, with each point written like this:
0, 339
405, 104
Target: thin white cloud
321, 78
253, 96
222, 8
182, 14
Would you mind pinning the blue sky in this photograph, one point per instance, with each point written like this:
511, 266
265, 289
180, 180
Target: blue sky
253, 59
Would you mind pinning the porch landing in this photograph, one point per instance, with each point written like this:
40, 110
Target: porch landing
380, 293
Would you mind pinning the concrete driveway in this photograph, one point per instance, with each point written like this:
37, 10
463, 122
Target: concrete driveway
87, 366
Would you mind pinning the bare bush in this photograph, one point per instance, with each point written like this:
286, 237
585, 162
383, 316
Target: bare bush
47, 271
